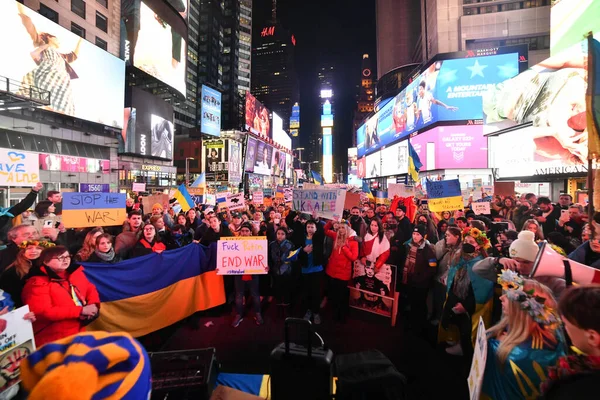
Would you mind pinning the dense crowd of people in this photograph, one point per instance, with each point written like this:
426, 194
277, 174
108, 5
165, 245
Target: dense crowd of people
452, 269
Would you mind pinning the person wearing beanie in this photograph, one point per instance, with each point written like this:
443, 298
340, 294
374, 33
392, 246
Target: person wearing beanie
92, 365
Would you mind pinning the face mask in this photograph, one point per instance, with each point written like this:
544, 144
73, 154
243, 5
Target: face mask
468, 248
276, 221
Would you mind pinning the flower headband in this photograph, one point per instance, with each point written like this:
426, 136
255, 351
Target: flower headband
39, 243
512, 285
479, 237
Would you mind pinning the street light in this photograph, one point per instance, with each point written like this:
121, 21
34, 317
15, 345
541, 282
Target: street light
187, 170
300, 149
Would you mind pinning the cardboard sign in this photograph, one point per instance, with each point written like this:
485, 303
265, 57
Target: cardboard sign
328, 203
81, 210
211, 199
235, 201
242, 255
257, 197
149, 201
442, 189
446, 204
19, 168
400, 190
481, 208
504, 188
477, 183
288, 194
17, 344
477, 194
139, 187
475, 379
352, 199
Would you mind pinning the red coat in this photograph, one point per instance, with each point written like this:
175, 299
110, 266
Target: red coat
340, 261
49, 297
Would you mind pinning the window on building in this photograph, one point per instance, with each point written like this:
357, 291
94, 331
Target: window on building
78, 7
76, 29
101, 43
103, 3
180, 152
49, 13
101, 22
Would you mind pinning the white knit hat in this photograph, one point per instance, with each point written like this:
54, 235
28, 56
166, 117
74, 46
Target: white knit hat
524, 247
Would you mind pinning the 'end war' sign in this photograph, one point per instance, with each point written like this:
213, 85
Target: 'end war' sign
82, 210
328, 203
242, 255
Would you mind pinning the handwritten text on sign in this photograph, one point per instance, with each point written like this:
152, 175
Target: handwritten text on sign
93, 209
328, 203
481, 208
19, 168
446, 204
242, 255
440, 189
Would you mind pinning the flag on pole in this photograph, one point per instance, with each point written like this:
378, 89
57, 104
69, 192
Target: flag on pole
184, 198
414, 163
201, 180
317, 177
593, 98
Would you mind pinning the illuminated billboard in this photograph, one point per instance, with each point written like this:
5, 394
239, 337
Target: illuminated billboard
353, 168
395, 159
154, 41
279, 136
257, 117
373, 165
327, 156
210, 121
162, 137
250, 154
570, 22
79, 76
447, 90
295, 117
262, 163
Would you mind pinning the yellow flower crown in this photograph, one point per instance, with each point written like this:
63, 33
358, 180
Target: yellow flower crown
40, 243
479, 237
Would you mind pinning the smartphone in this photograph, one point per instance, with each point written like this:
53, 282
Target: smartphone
563, 212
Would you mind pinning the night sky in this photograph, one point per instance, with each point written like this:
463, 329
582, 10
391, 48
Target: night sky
338, 32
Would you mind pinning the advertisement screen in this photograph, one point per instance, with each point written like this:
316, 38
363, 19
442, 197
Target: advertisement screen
42, 55
257, 117
373, 165
215, 159
570, 22
250, 154
448, 90
289, 166
456, 147
295, 120
279, 135
182, 7
162, 137
362, 167
278, 163
210, 122
54, 162
395, 159
154, 41
235, 162
262, 164
353, 168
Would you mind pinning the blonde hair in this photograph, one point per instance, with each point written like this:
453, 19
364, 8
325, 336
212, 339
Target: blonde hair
89, 244
520, 326
342, 241
22, 264
539, 235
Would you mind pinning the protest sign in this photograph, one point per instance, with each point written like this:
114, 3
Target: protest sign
17, 344
149, 201
504, 188
139, 187
481, 208
19, 168
235, 201
242, 255
288, 194
466, 195
444, 195
487, 191
373, 292
257, 197
400, 190
310, 186
210, 199
327, 203
475, 379
477, 183
352, 199
81, 210
477, 194
267, 201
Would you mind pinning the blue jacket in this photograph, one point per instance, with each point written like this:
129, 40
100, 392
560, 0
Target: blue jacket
278, 252
580, 255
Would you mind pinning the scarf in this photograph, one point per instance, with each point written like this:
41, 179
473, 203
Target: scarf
379, 246
411, 261
106, 257
571, 365
461, 282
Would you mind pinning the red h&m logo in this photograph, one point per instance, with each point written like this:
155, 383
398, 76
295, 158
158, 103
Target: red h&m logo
268, 31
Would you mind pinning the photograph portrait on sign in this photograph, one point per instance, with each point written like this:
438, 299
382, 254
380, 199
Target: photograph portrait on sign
373, 291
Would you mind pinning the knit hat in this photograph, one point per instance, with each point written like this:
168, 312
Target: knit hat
420, 229
401, 207
88, 365
157, 205
246, 225
524, 247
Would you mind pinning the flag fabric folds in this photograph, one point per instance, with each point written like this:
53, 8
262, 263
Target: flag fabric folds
148, 293
201, 180
183, 197
593, 99
317, 177
414, 163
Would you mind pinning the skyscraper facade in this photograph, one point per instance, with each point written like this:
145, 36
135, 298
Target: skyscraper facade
366, 95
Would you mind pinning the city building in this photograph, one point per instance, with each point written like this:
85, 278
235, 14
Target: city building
366, 95
274, 79
322, 141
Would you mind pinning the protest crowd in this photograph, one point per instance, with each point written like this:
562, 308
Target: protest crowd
451, 268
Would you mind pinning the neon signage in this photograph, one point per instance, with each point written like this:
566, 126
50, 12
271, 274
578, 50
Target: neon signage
268, 31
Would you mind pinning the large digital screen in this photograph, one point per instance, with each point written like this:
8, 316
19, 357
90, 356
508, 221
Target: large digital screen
42, 55
210, 122
250, 154
262, 163
55, 162
215, 160
235, 162
353, 168
279, 135
447, 90
395, 159
289, 166
295, 120
257, 117
278, 163
182, 7
570, 22
456, 147
162, 137
373, 165
154, 41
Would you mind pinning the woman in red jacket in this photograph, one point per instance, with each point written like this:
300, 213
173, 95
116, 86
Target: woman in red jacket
339, 268
61, 297
376, 246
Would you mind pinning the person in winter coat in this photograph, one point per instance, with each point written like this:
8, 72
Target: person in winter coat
104, 251
431, 229
61, 296
7, 214
445, 251
132, 231
281, 267
89, 245
312, 259
215, 231
339, 268
181, 236
16, 235
589, 252
419, 270
376, 247
149, 243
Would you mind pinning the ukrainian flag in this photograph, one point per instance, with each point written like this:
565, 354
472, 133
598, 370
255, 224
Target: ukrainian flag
593, 98
183, 197
317, 177
148, 293
200, 181
414, 163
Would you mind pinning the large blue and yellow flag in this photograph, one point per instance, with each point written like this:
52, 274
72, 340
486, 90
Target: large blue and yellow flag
183, 197
148, 293
200, 181
317, 177
593, 99
414, 163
